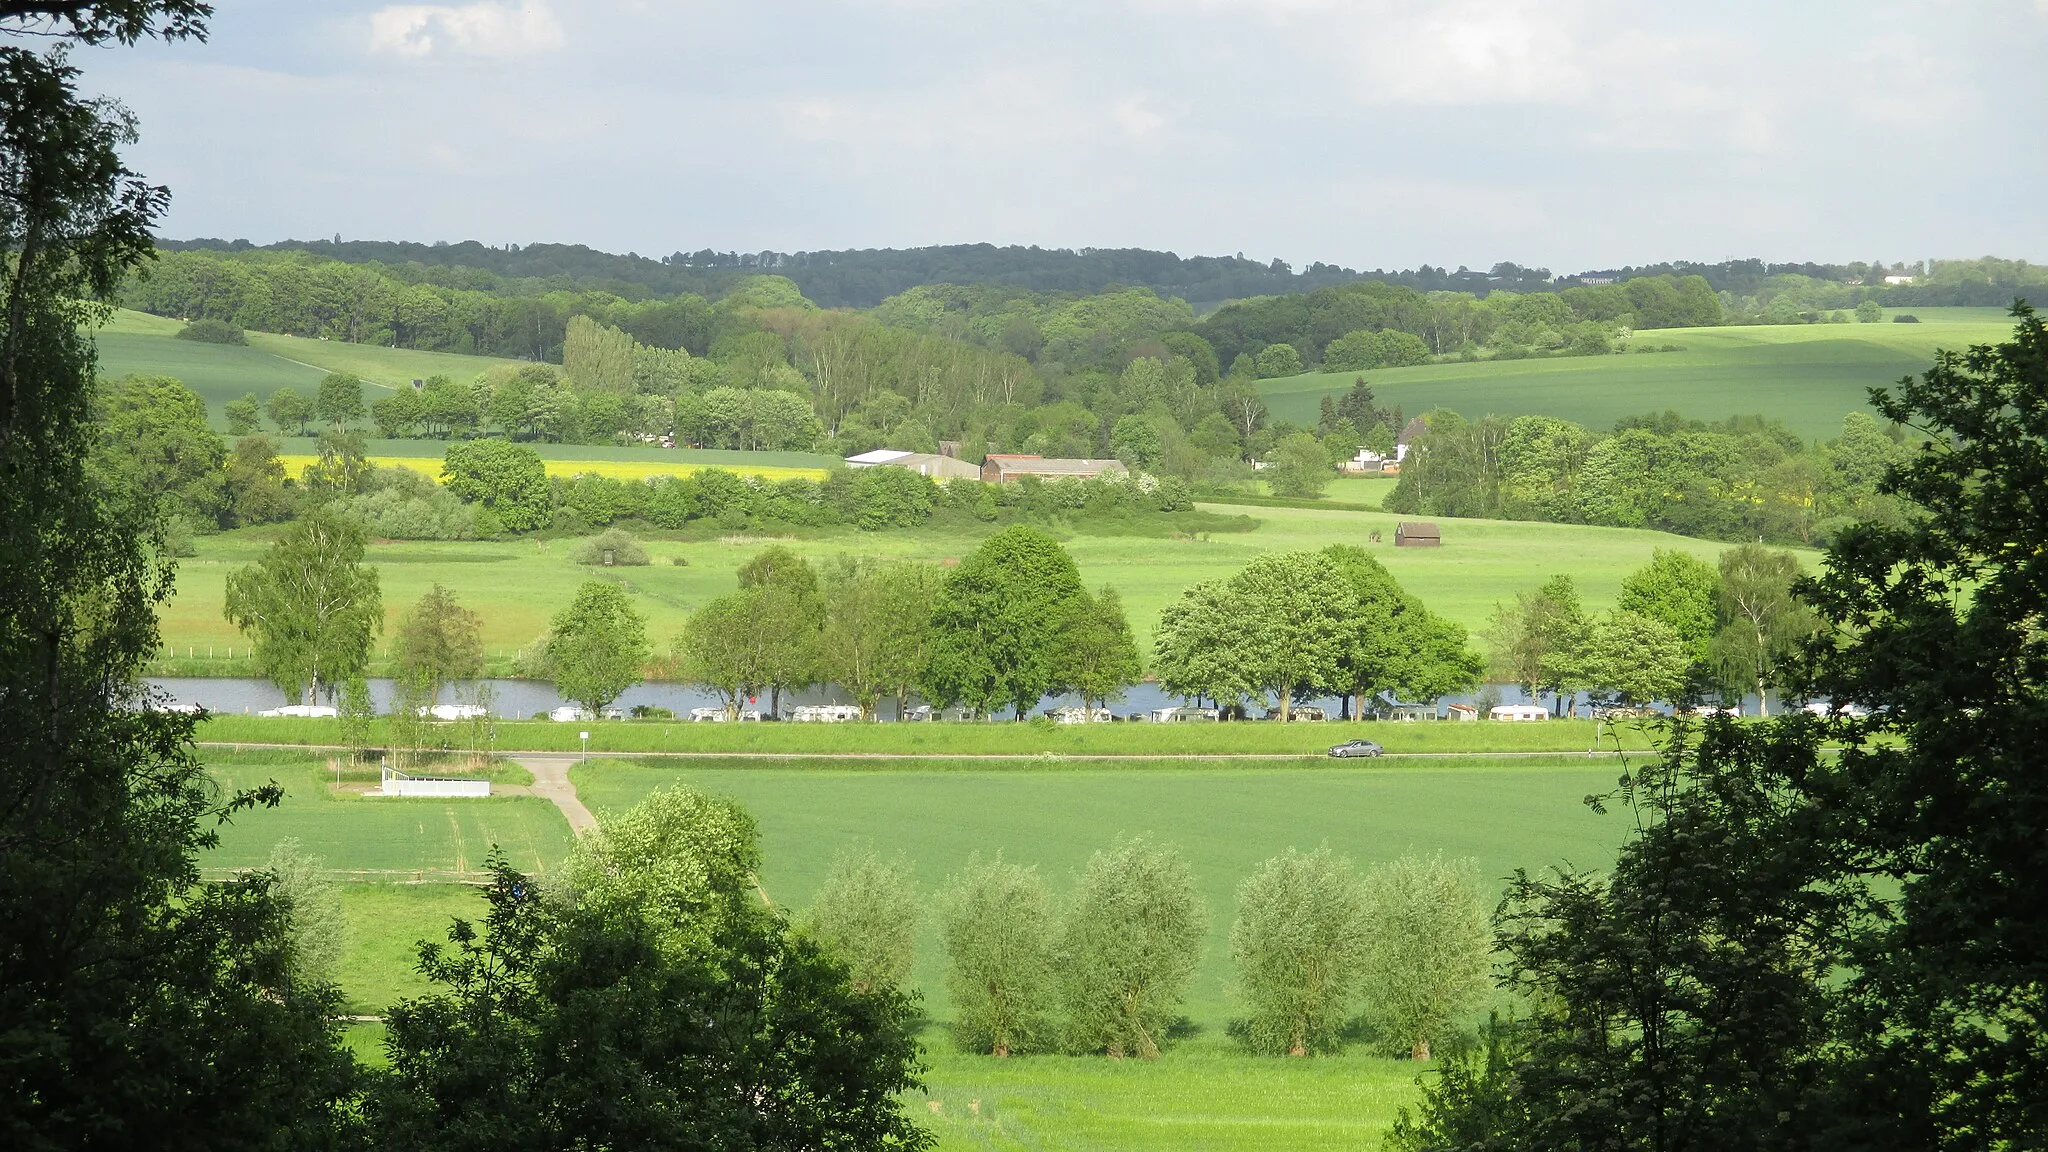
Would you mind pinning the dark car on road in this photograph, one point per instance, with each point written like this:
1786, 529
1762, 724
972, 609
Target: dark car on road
1357, 748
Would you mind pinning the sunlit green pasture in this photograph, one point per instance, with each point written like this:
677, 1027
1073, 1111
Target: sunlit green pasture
371, 837
518, 585
1203, 1092
1506, 814
1807, 375
140, 343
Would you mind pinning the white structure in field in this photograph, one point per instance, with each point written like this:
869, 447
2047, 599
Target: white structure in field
303, 711
571, 714
397, 783
1078, 715
718, 716
456, 712
1523, 712
824, 714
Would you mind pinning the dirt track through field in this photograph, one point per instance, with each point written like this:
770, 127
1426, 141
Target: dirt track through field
551, 781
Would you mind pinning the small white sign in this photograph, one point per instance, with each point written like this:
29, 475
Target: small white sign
583, 735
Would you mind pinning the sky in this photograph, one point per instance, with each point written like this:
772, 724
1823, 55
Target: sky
1569, 134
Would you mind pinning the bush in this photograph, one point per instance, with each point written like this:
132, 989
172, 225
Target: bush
1905, 318
213, 332
1430, 945
1299, 947
398, 513
1129, 949
996, 919
866, 915
625, 550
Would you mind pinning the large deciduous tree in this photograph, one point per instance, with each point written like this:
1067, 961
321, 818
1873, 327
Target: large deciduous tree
1428, 949
138, 1004
1280, 626
1098, 656
438, 640
866, 914
506, 478
996, 622
310, 606
1766, 624
558, 1025
597, 646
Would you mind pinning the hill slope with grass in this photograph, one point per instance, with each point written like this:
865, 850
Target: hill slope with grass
136, 342
1807, 375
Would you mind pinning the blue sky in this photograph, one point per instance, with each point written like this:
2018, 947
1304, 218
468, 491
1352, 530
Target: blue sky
1567, 133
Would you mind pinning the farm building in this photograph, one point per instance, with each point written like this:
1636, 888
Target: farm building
1002, 469
1518, 712
1406, 440
1418, 534
1183, 715
1463, 712
936, 466
1076, 715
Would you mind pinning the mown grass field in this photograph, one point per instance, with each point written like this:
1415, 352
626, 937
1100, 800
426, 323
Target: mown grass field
136, 342
1808, 375
518, 585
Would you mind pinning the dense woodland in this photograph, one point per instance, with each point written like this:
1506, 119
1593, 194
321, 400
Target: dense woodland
1739, 479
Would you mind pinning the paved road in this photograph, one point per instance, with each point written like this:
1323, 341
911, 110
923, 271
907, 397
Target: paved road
551, 780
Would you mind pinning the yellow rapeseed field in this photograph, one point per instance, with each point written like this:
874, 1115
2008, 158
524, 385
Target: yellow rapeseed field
296, 465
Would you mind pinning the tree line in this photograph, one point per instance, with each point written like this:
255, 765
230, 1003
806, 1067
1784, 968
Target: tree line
1742, 478
1681, 630
1323, 953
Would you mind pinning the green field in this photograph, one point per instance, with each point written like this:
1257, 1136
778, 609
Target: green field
688, 457
964, 740
136, 342
518, 585
379, 838
1202, 1093
1226, 818
1807, 375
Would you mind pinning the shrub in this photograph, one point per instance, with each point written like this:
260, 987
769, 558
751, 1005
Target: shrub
1430, 944
866, 914
1299, 947
996, 920
208, 331
1129, 949
625, 550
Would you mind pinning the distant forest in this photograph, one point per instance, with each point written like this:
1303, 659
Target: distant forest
863, 278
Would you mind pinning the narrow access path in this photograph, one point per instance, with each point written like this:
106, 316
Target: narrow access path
551, 780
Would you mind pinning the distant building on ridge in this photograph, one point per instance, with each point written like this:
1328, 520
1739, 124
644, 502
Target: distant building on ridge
1002, 469
923, 463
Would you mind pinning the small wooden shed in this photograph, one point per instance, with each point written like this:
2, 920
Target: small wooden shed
1418, 534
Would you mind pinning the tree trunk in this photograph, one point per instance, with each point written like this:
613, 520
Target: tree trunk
1286, 698
1420, 1049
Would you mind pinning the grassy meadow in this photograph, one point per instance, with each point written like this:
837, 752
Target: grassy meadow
962, 742
380, 838
1808, 375
136, 342
1203, 1093
518, 585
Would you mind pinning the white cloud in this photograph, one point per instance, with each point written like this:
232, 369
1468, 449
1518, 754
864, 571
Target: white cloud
480, 29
